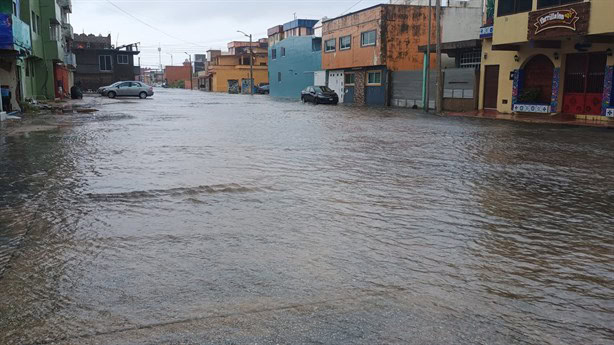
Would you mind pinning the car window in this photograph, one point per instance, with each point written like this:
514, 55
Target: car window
325, 89
136, 85
124, 85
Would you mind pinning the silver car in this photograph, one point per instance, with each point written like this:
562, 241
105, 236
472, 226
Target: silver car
128, 89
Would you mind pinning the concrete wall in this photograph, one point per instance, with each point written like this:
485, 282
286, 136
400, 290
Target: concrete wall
460, 24
297, 67
173, 74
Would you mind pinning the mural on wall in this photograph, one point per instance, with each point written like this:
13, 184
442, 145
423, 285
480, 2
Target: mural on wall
556, 81
607, 90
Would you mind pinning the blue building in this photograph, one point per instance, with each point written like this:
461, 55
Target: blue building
293, 63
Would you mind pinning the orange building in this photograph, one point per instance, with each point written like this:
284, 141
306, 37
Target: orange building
362, 48
174, 74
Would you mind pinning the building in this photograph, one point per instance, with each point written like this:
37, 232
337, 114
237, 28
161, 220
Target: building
179, 76
230, 72
362, 49
57, 34
549, 56
15, 47
295, 61
199, 62
461, 58
99, 63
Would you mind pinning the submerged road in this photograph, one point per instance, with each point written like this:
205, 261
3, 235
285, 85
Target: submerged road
198, 218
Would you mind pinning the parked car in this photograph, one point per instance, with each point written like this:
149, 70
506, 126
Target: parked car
128, 89
263, 89
102, 89
319, 95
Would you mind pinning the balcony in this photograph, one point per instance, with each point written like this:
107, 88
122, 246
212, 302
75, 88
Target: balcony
14, 35
66, 4
67, 31
70, 60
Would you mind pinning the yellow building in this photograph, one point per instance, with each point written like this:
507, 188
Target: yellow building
549, 56
230, 73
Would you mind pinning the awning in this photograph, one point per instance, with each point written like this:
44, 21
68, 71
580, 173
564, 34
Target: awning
452, 46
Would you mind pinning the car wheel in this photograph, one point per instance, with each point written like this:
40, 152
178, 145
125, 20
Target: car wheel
111, 94
143, 95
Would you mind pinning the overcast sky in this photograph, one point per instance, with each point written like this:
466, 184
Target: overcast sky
194, 26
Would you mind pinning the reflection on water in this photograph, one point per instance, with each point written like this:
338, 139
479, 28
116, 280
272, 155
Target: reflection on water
194, 205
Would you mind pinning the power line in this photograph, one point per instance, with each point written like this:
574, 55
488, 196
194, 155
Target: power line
150, 26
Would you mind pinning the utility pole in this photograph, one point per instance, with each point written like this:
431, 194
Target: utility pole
160, 56
251, 66
190, 76
251, 63
428, 61
439, 102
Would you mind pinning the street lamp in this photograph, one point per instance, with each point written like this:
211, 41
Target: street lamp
191, 85
251, 63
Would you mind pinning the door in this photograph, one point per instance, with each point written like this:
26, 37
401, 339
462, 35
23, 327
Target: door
123, 89
584, 79
336, 83
319, 78
491, 86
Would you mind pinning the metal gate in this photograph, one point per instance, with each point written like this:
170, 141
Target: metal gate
584, 78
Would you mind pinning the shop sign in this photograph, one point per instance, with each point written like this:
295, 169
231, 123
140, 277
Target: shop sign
562, 21
487, 31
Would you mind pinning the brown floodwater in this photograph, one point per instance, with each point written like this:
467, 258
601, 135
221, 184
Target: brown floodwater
199, 218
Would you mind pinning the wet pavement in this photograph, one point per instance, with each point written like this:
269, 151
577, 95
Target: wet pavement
197, 218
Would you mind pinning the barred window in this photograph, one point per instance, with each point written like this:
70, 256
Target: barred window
471, 59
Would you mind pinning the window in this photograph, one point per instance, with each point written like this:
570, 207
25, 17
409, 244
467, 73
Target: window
350, 78
507, 7
283, 51
105, 63
330, 45
550, 3
471, 59
367, 38
33, 20
122, 59
316, 44
38, 23
273, 53
345, 43
279, 77
374, 78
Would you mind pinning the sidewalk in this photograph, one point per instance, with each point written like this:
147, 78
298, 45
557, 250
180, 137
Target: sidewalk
559, 119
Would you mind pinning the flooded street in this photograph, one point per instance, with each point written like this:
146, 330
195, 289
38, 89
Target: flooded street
198, 218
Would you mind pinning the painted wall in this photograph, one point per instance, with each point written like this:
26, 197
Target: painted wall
222, 74
353, 24
455, 18
405, 28
173, 74
297, 67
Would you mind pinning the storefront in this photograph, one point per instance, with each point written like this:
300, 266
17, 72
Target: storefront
564, 66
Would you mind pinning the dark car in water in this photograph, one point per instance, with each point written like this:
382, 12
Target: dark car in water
263, 89
319, 95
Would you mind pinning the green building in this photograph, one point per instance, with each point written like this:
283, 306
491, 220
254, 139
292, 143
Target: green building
36, 59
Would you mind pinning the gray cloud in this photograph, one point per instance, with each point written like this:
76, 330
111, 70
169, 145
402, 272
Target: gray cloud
194, 26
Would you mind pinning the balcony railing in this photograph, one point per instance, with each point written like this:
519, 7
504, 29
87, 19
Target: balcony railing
14, 34
70, 59
67, 4
67, 31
